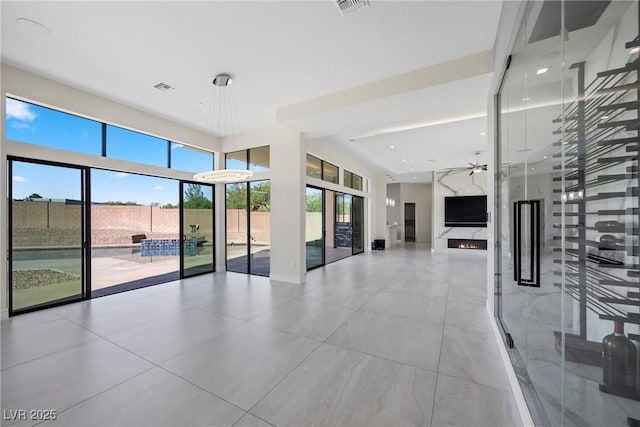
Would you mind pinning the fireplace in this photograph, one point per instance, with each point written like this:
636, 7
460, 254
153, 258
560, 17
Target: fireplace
467, 244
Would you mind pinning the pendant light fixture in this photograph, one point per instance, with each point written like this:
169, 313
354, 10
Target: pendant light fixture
223, 108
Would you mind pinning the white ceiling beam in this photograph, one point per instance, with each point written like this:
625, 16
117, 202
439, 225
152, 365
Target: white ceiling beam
445, 72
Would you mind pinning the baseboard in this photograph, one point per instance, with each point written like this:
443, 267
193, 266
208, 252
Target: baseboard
287, 278
4, 314
523, 409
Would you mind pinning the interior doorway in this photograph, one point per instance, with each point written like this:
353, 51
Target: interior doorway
409, 222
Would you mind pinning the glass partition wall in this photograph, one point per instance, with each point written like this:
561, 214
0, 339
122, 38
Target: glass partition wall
567, 260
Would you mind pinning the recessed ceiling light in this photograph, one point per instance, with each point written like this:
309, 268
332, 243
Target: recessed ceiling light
544, 157
482, 133
526, 98
404, 160
411, 168
392, 146
542, 70
634, 51
200, 104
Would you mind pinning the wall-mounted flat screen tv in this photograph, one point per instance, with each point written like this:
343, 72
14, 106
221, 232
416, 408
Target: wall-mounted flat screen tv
465, 211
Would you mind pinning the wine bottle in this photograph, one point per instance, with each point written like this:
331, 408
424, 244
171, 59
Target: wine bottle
619, 356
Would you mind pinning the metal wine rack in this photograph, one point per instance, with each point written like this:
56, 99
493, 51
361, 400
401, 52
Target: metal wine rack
599, 199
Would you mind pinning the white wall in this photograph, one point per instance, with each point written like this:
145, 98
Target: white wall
446, 183
418, 193
395, 215
378, 208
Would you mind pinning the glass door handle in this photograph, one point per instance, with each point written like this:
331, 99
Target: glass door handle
529, 210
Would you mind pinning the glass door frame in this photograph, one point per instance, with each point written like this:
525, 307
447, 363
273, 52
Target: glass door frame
249, 255
85, 227
353, 226
534, 404
181, 186
324, 226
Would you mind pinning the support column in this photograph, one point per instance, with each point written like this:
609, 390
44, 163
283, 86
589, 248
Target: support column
288, 176
220, 218
378, 217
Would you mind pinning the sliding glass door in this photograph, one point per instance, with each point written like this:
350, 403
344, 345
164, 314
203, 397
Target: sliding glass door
357, 222
314, 227
196, 223
47, 220
237, 228
249, 227
135, 231
334, 226
260, 228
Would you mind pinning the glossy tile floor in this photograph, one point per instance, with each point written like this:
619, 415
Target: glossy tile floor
386, 338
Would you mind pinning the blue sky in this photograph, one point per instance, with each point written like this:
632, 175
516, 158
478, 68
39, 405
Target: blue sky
38, 125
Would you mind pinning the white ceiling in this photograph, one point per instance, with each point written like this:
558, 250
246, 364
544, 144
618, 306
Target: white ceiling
280, 54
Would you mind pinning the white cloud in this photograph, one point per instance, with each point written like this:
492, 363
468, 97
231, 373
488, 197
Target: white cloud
157, 188
18, 110
176, 146
120, 175
17, 178
21, 125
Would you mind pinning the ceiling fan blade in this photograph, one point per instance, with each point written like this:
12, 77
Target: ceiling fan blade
473, 165
484, 168
471, 173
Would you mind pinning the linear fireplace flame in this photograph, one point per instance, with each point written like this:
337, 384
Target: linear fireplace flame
467, 244
464, 245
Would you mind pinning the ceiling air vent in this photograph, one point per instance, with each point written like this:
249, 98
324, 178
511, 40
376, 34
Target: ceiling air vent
346, 6
164, 87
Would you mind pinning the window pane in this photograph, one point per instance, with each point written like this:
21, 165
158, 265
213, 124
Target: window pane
314, 167
135, 231
197, 210
237, 249
260, 226
357, 182
348, 179
259, 159
190, 159
329, 172
33, 124
236, 160
136, 147
46, 234
314, 230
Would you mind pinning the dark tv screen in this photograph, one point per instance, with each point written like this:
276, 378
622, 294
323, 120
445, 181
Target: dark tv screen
465, 211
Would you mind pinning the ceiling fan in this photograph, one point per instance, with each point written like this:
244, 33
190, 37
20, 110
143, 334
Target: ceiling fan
474, 167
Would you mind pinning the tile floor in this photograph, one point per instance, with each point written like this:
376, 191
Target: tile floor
387, 338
